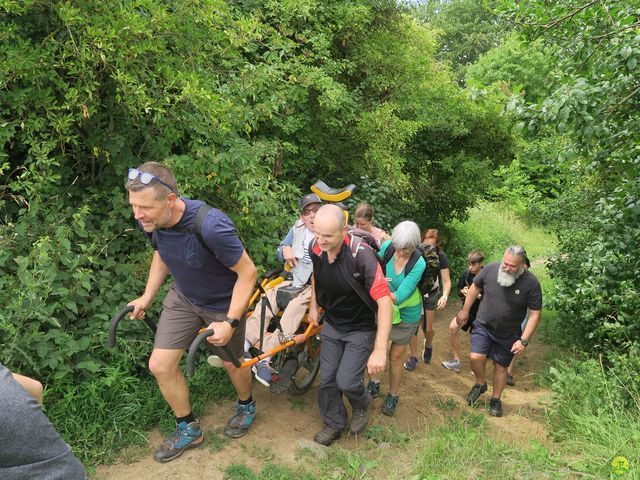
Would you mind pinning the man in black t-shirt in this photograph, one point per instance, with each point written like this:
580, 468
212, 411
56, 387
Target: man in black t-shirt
348, 283
508, 289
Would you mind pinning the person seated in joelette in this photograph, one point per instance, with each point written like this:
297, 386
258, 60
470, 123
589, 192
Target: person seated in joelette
293, 249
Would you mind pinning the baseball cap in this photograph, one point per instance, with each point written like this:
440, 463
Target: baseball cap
308, 199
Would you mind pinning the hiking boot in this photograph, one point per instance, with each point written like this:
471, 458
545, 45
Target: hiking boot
262, 372
360, 419
186, 435
475, 392
327, 436
510, 381
374, 388
411, 363
454, 365
238, 425
427, 354
390, 404
283, 381
495, 407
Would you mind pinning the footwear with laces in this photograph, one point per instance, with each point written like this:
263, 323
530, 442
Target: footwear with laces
454, 365
427, 353
390, 404
411, 363
360, 419
238, 425
495, 407
327, 436
475, 392
186, 435
262, 372
374, 388
510, 381
283, 381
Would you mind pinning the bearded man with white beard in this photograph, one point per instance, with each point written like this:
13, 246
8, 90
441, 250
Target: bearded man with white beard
508, 289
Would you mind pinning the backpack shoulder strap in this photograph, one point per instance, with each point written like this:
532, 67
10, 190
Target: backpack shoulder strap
391, 249
197, 226
413, 259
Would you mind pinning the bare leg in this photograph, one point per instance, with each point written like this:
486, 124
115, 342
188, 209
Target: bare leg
165, 366
430, 333
413, 346
499, 379
33, 387
241, 379
478, 366
453, 338
396, 358
510, 367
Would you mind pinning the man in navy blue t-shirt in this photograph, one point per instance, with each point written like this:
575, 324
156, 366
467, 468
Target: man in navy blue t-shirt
508, 289
213, 278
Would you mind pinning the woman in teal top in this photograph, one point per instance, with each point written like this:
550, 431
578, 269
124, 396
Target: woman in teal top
407, 304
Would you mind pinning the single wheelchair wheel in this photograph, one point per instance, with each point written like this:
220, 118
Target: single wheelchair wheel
308, 367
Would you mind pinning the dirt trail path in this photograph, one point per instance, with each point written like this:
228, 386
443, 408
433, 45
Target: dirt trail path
287, 423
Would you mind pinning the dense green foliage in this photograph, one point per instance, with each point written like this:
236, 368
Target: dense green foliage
248, 102
593, 102
466, 30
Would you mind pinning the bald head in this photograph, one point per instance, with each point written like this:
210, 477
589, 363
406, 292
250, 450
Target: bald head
330, 228
331, 214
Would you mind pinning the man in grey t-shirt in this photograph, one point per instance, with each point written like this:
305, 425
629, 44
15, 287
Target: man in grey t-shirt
31, 448
507, 289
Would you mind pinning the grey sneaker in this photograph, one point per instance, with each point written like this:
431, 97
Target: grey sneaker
411, 363
327, 436
454, 365
390, 404
360, 419
238, 425
374, 388
186, 435
495, 407
475, 392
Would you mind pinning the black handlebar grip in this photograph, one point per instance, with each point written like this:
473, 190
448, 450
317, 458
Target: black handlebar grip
195, 345
113, 326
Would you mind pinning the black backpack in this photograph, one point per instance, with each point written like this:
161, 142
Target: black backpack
430, 256
196, 229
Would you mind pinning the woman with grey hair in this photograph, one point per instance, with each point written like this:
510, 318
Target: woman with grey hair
403, 270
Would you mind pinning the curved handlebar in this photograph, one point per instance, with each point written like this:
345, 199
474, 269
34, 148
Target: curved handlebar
195, 345
113, 326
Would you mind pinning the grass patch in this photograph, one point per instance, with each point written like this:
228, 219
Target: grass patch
492, 227
103, 418
461, 449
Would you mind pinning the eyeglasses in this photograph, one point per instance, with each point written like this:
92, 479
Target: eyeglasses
308, 211
146, 178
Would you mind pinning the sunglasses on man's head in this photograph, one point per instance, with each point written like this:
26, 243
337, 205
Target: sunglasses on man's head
146, 178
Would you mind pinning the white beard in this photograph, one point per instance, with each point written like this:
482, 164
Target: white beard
506, 279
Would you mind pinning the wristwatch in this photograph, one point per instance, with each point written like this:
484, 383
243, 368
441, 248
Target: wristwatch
234, 322
524, 341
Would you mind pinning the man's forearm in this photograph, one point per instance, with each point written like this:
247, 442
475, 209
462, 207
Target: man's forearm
532, 324
385, 315
158, 272
472, 294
